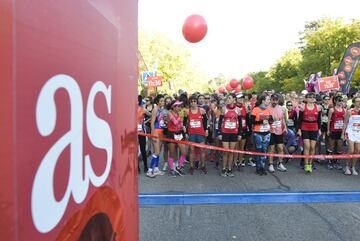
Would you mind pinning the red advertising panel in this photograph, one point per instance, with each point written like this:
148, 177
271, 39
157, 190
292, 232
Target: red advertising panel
67, 172
154, 81
329, 83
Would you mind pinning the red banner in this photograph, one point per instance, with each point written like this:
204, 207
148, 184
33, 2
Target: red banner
329, 83
68, 73
154, 81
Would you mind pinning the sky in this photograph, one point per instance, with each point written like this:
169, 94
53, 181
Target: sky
243, 36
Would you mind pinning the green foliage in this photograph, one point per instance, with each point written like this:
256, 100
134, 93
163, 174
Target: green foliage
174, 63
262, 81
322, 46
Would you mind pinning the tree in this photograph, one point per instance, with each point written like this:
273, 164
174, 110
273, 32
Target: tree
263, 81
287, 71
173, 63
323, 44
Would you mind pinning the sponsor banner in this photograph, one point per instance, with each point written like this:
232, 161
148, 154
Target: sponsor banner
145, 75
348, 65
68, 120
154, 81
329, 83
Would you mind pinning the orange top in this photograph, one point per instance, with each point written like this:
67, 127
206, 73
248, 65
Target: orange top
261, 114
140, 118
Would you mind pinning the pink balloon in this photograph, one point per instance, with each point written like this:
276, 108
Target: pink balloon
234, 83
248, 82
238, 89
228, 88
222, 90
194, 28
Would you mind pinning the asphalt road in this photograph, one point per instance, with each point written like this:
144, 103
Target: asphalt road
324, 221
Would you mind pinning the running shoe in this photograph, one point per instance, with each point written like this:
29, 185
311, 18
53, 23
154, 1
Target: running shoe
223, 173
354, 172
165, 167
347, 171
197, 164
178, 171
251, 163
182, 171
203, 171
150, 174
157, 172
191, 171
237, 163
310, 168
330, 165
306, 167
337, 165
230, 173
271, 168
281, 167
172, 173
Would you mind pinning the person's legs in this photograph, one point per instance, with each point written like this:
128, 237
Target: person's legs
142, 143
312, 152
225, 157
232, 146
354, 160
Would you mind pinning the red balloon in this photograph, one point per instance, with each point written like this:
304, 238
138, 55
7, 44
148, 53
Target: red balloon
222, 90
194, 28
238, 89
234, 83
228, 88
248, 82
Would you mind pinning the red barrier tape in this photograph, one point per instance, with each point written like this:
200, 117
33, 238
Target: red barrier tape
342, 156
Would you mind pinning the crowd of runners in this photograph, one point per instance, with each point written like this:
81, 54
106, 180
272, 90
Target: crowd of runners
268, 122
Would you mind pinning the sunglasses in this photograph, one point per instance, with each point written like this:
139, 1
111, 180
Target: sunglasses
193, 101
326, 99
207, 98
289, 105
309, 97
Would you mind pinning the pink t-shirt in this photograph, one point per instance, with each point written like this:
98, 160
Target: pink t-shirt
277, 127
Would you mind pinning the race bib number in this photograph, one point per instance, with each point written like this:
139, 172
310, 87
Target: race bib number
178, 137
139, 127
162, 123
230, 124
195, 124
356, 127
290, 122
324, 119
264, 128
339, 124
243, 122
276, 124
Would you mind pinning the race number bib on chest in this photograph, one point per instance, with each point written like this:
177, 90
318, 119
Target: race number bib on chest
162, 123
178, 137
243, 122
195, 123
139, 127
230, 124
339, 124
324, 119
290, 122
264, 127
276, 124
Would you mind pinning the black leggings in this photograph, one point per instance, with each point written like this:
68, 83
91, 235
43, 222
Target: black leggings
142, 143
